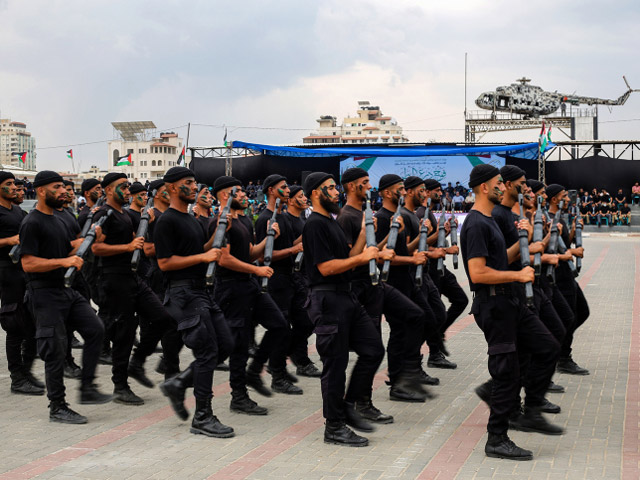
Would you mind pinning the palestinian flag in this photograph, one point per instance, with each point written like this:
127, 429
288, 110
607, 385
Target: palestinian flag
22, 155
181, 158
70, 154
124, 161
225, 137
542, 141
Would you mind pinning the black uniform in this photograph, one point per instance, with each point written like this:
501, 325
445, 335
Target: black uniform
341, 323
405, 318
125, 294
54, 307
14, 316
507, 324
243, 303
200, 321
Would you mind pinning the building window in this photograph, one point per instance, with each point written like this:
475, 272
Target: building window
159, 163
153, 163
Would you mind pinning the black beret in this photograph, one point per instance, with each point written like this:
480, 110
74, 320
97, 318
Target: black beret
554, 189
535, 185
136, 187
155, 185
481, 173
353, 174
510, 173
4, 175
271, 180
46, 177
88, 184
314, 180
293, 191
177, 173
413, 182
69, 183
111, 177
202, 186
388, 180
432, 184
19, 183
224, 182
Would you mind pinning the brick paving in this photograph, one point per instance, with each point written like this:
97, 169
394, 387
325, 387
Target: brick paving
441, 439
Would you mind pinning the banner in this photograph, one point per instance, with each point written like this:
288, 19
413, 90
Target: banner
445, 169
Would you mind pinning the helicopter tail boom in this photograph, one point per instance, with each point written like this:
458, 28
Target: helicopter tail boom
621, 100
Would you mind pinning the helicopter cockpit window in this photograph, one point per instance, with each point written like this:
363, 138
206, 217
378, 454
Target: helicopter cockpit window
503, 101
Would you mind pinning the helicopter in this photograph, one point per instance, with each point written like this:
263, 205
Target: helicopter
533, 101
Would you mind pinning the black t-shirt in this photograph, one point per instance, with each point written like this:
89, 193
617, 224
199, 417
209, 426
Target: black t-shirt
69, 220
45, 236
625, 210
350, 220
411, 223
620, 197
481, 237
505, 219
324, 240
145, 264
180, 234
284, 240
432, 265
82, 216
297, 224
399, 275
246, 221
10, 220
239, 241
152, 226
563, 272
604, 209
118, 230
205, 221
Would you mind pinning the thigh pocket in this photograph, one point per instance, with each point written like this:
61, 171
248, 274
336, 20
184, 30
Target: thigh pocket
9, 317
46, 342
194, 334
326, 338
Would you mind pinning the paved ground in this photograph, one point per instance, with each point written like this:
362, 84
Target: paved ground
441, 439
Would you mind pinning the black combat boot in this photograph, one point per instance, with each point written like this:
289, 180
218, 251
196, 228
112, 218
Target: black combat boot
136, 371
337, 433
60, 412
21, 384
533, 421
368, 410
411, 381
254, 380
72, 370
90, 395
222, 367
438, 360
124, 395
281, 383
555, 388
568, 366
206, 423
174, 390
398, 394
501, 446
26, 371
548, 407
308, 370
241, 403
161, 367
355, 420
288, 375
428, 379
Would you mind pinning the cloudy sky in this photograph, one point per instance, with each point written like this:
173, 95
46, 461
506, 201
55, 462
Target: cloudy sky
69, 68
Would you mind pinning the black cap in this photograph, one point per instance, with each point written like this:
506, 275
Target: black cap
88, 184
111, 177
293, 191
69, 183
19, 182
224, 182
388, 180
4, 175
511, 172
353, 174
413, 182
481, 173
314, 180
535, 185
177, 173
271, 180
46, 177
136, 187
202, 186
432, 184
155, 185
554, 189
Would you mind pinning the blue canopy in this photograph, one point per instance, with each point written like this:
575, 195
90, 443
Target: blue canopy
522, 150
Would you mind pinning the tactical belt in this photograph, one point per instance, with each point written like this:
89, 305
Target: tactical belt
331, 287
8, 264
494, 290
35, 284
188, 282
120, 269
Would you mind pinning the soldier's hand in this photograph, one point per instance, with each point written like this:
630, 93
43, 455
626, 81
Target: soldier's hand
419, 258
566, 256
76, 242
72, 261
559, 228
99, 235
401, 223
527, 274
524, 224
375, 224
550, 258
276, 228
152, 215
212, 255
427, 223
386, 254
437, 253
95, 209
369, 253
297, 248
447, 227
578, 252
536, 247
453, 250
15, 240
136, 244
263, 272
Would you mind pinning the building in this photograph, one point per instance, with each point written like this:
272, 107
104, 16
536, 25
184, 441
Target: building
369, 125
15, 139
151, 154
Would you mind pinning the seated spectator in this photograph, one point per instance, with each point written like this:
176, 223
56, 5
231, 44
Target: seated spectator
635, 194
621, 199
624, 215
604, 213
469, 201
604, 196
446, 202
593, 213
458, 200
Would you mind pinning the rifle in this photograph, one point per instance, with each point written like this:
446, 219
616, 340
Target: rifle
142, 231
454, 237
578, 234
268, 247
553, 241
89, 220
298, 262
392, 240
14, 253
84, 247
422, 243
562, 248
537, 236
218, 236
374, 274
442, 238
524, 250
